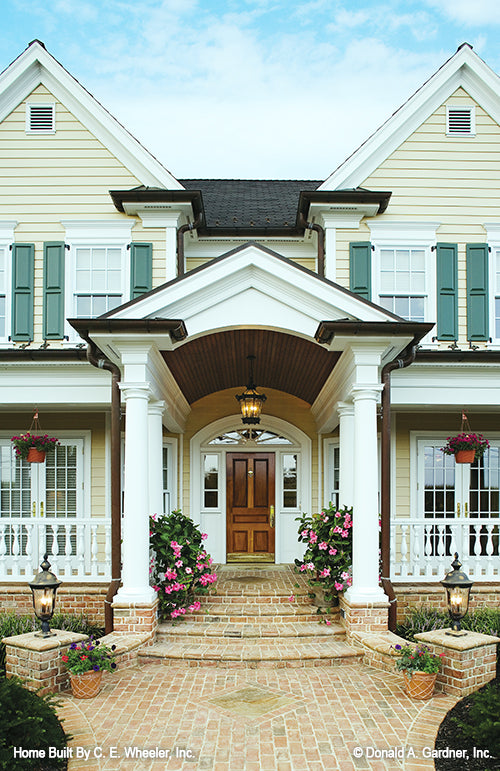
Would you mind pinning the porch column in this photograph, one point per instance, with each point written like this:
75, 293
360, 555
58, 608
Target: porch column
346, 486
155, 457
365, 558
135, 544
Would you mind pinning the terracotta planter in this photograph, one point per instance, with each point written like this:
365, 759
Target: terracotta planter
420, 685
35, 456
465, 456
87, 685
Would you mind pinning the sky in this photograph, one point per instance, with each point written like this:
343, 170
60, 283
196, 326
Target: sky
251, 88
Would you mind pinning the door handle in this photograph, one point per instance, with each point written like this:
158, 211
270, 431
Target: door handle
41, 508
33, 509
458, 509
466, 507
271, 516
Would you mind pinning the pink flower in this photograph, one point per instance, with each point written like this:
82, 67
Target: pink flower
204, 536
332, 552
170, 574
178, 564
338, 586
304, 533
310, 566
195, 606
325, 572
328, 623
291, 598
323, 546
189, 570
312, 536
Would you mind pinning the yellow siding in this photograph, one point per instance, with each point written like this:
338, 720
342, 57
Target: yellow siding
433, 177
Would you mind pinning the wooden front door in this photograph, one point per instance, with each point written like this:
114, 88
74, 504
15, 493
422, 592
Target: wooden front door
250, 496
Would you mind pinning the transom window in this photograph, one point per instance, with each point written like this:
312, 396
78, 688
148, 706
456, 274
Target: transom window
250, 435
98, 279
402, 282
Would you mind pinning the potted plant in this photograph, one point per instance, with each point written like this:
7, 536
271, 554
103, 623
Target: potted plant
420, 667
86, 662
33, 447
465, 447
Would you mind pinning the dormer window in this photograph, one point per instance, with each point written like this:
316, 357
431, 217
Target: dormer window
40, 118
460, 121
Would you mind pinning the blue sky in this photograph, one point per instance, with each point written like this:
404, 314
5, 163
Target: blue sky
251, 88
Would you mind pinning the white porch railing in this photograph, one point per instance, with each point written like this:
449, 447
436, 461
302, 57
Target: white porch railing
78, 549
423, 549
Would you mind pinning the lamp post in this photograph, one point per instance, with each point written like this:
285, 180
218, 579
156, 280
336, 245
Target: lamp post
44, 587
457, 586
250, 401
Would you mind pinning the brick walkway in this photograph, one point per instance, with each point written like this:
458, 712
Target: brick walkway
248, 715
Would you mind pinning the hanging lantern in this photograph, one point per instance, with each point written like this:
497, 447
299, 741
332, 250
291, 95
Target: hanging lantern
44, 587
250, 401
457, 585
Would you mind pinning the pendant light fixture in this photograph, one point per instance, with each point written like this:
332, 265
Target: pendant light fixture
250, 401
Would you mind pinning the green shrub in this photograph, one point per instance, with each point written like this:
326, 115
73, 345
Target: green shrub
426, 619
482, 722
12, 624
29, 721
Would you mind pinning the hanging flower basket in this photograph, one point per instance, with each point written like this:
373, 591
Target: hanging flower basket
32, 447
465, 447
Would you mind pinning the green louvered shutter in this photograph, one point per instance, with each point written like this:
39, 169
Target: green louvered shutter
360, 268
141, 269
447, 300
477, 292
53, 290
23, 274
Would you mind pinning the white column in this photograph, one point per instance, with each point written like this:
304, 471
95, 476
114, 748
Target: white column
155, 457
135, 539
365, 557
346, 491
168, 219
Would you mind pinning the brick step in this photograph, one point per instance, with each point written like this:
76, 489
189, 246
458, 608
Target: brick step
280, 598
217, 632
243, 608
249, 655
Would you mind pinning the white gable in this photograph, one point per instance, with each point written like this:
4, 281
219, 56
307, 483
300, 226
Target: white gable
34, 66
464, 69
251, 287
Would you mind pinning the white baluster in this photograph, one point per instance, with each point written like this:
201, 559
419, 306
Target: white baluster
67, 550
80, 549
55, 549
29, 549
404, 550
107, 557
441, 548
14, 550
3, 552
428, 548
415, 549
94, 550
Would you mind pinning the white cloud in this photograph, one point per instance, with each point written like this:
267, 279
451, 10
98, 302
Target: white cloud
470, 13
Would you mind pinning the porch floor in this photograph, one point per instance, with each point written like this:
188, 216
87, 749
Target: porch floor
283, 716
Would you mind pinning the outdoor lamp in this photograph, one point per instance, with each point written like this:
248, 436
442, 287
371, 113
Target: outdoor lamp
44, 587
457, 585
250, 401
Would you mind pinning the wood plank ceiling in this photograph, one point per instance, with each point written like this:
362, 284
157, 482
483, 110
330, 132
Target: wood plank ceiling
218, 361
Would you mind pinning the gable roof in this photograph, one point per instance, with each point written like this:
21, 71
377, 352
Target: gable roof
464, 69
36, 66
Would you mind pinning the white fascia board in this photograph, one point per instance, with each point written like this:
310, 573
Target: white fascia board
54, 385
36, 66
465, 69
252, 268
446, 385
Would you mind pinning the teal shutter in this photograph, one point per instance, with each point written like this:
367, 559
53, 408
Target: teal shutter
360, 268
477, 292
141, 269
447, 300
53, 290
23, 275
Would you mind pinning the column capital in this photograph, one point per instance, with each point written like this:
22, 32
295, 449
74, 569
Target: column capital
136, 390
368, 391
345, 409
156, 408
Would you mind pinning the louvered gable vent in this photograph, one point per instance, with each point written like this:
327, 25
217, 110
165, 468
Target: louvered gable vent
460, 121
41, 118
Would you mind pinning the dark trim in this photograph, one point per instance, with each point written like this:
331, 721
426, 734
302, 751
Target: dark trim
327, 330
47, 354
360, 196
157, 195
175, 327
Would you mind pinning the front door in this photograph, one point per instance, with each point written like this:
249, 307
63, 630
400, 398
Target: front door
250, 505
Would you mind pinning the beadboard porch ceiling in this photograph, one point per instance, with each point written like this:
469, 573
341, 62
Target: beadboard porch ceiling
286, 363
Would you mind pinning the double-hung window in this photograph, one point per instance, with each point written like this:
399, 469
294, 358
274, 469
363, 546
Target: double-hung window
403, 268
99, 274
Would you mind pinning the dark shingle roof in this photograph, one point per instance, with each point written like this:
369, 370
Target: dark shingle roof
250, 203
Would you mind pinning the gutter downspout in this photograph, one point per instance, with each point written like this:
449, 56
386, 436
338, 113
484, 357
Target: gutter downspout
385, 517
180, 243
97, 359
321, 242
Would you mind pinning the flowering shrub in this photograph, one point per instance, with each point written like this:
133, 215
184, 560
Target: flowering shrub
179, 564
417, 658
87, 656
328, 556
24, 442
465, 441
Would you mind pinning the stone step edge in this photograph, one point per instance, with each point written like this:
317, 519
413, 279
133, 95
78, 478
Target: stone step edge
257, 631
342, 651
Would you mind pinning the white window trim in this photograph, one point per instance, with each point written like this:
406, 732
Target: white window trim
7, 228
493, 241
94, 233
462, 134
171, 445
330, 445
31, 131
407, 235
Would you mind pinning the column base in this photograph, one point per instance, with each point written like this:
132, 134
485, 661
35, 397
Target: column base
140, 617
364, 616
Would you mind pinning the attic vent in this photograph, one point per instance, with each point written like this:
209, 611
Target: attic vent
460, 121
40, 118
